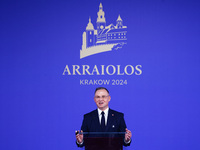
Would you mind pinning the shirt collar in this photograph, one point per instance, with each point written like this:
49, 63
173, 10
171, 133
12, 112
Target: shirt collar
105, 111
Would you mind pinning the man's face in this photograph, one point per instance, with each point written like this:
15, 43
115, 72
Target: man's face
102, 99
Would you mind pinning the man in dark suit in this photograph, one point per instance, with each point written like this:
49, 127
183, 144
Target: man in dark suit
103, 119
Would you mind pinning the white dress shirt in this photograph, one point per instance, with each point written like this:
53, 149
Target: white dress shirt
105, 114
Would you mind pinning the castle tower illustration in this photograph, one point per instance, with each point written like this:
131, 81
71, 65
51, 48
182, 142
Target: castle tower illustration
104, 38
89, 34
101, 21
119, 22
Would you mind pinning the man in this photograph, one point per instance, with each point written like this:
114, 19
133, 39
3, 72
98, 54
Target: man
109, 121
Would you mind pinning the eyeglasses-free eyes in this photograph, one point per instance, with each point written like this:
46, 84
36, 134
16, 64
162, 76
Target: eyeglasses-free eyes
103, 97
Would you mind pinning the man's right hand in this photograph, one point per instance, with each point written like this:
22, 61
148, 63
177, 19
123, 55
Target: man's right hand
79, 137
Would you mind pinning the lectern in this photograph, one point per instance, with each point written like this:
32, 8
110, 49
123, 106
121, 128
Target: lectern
103, 140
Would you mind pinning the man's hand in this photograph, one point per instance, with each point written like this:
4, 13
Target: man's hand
79, 137
128, 135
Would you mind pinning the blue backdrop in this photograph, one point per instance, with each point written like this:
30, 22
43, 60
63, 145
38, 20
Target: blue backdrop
40, 108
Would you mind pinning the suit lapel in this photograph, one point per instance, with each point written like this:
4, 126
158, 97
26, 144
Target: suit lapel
111, 118
96, 121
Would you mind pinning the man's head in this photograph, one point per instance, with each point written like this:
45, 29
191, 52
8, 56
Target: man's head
102, 98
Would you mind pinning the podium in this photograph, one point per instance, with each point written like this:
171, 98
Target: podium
103, 140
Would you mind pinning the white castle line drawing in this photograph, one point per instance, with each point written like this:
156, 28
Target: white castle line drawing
104, 38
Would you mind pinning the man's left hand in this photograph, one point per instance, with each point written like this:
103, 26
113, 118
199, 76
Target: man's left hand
128, 135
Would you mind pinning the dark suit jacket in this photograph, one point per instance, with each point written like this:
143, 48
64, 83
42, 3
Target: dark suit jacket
115, 123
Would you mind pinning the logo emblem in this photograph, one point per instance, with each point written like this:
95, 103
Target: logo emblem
103, 38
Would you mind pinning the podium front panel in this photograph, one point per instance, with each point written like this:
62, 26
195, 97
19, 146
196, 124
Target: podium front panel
103, 141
